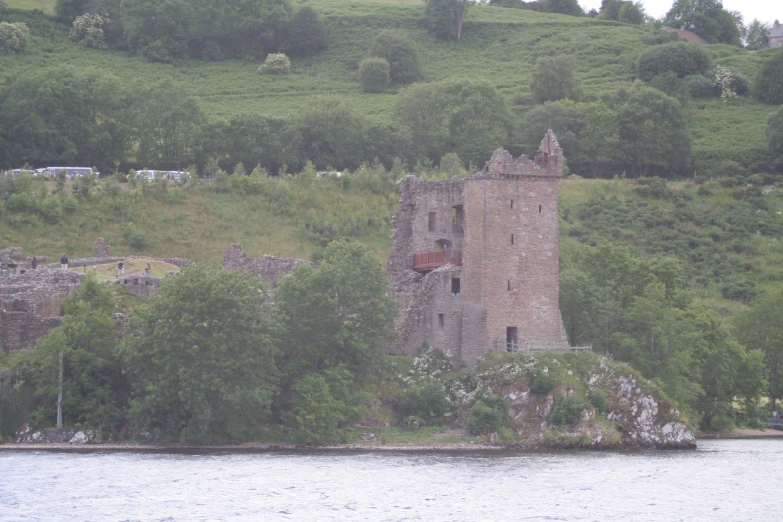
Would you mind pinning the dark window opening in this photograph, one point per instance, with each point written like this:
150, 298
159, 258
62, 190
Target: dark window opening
455, 285
539, 209
457, 217
511, 339
512, 203
512, 239
440, 320
432, 222
509, 285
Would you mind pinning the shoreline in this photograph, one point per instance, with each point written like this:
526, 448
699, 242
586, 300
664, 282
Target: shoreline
253, 447
741, 433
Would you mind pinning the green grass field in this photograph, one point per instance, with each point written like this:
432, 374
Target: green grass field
499, 45
47, 6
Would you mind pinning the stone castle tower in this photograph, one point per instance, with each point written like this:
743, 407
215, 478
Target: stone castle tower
475, 261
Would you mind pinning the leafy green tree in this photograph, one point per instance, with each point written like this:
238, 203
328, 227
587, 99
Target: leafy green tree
707, 18
681, 58
88, 30
249, 139
374, 74
322, 406
306, 33
67, 116
653, 131
566, 7
599, 141
775, 133
760, 328
335, 314
553, 79
158, 29
582, 304
172, 125
200, 357
757, 35
402, 55
13, 37
632, 13
328, 133
564, 119
69, 10
95, 391
445, 17
467, 117
769, 80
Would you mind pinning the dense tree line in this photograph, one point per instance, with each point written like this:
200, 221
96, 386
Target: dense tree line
208, 359
168, 30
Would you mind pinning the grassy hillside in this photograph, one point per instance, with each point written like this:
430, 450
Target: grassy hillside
499, 45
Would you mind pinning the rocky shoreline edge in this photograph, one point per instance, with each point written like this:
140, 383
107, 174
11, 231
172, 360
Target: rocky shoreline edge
253, 447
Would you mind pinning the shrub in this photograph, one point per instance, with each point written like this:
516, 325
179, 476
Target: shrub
568, 410
488, 415
21, 202
698, 86
51, 210
683, 59
425, 399
321, 407
13, 37
276, 63
136, 239
541, 382
401, 54
769, 81
88, 30
306, 33
598, 399
374, 74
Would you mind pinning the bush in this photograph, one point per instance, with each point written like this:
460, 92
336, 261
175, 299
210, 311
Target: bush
401, 54
769, 81
88, 30
374, 74
276, 63
136, 239
51, 210
488, 415
321, 407
698, 86
542, 382
599, 400
425, 399
683, 59
306, 33
20, 202
568, 410
13, 37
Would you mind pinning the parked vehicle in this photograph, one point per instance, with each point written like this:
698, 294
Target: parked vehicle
175, 176
70, 172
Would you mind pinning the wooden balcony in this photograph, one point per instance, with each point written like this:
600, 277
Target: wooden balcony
427, 261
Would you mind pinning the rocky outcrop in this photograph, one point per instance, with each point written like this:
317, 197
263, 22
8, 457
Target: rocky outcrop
614, 408
269, 268
57, 436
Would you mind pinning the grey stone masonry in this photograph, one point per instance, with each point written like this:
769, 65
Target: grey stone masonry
497, 232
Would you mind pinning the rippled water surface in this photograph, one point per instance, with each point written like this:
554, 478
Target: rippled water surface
722, 480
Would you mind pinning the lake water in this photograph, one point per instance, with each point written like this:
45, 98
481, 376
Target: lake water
736, 480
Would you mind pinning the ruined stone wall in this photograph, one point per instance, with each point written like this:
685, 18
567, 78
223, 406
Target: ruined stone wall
141, 286
508, 235
269, 268
30, 305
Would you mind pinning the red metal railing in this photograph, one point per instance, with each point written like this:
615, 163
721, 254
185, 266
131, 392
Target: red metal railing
430, 260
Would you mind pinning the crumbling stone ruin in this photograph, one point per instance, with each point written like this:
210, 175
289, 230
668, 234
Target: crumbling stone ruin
269, 268
475, 263
31, 300
30, 305
101, 248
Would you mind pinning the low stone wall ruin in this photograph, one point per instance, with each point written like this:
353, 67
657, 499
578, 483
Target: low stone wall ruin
269, 268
